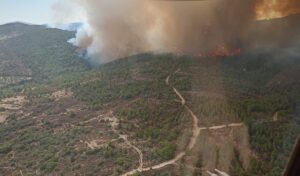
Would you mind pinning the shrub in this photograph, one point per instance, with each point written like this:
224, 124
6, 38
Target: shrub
72, 114
49, 166
6, 148
167, 151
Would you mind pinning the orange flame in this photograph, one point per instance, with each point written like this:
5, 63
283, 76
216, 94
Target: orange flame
270, 9
225, 50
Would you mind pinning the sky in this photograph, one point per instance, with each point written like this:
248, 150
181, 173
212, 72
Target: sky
34, 11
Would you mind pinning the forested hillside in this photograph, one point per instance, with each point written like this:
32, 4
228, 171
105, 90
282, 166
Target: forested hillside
36, 54
58, 116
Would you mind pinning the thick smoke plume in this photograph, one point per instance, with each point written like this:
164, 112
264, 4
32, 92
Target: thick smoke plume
269, 9
116, 29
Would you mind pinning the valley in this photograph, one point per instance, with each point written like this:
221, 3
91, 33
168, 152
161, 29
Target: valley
148, 114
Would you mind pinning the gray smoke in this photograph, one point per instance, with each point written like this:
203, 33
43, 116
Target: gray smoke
116, 29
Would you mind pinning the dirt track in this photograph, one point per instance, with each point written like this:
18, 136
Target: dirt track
114, 122
196, 131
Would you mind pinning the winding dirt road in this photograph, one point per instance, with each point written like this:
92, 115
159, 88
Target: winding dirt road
114, 122
196, 131
125, 138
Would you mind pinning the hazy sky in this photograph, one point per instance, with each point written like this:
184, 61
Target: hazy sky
30, 11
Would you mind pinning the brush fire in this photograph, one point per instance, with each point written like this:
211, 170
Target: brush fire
224, 50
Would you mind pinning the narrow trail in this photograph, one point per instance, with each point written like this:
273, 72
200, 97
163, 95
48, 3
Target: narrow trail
196, 132
114, 122
125, 138
217, 173
218, 127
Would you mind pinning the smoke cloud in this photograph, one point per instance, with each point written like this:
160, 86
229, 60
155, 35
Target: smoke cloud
268, 9
116, 29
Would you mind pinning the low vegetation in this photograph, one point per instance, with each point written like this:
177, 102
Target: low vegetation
50, 135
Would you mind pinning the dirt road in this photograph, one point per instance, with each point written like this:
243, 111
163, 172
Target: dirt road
125, 138
196, 131
114, 122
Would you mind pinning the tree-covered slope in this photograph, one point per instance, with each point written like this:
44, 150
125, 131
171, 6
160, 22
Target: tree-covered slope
35, 53
58, 117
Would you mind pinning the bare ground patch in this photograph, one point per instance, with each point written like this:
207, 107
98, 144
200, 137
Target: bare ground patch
10, 106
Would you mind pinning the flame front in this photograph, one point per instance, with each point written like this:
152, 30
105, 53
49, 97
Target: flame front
224, 50
270, 9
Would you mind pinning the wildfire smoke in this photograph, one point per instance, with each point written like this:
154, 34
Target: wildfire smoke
116, 29
269, 9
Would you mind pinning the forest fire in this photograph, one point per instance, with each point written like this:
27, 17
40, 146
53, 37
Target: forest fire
270, 9
225, 50
116, 29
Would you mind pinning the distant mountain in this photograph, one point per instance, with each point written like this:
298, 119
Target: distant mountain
35, 52
67, 26
18, 27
